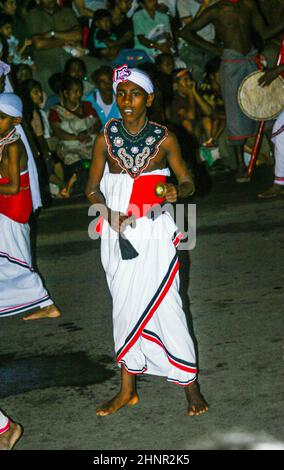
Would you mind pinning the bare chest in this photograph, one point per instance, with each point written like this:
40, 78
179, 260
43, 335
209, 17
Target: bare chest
135, 154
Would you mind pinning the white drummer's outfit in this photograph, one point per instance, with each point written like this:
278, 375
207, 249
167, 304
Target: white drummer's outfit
278, 140
149, 325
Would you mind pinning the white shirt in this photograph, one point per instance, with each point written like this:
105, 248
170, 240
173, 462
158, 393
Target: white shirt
105, 107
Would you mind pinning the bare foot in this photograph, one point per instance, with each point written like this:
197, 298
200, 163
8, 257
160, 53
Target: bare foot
274, 191
119, 401
46, 312
9, 438
64, 193
242, 176
196, 402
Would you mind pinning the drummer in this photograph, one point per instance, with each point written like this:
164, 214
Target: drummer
277, 188
234, 21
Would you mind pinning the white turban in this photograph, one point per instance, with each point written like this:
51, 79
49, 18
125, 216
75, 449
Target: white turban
124, 74
4, 68
11, 104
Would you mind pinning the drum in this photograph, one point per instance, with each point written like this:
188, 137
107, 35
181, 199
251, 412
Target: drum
261, 103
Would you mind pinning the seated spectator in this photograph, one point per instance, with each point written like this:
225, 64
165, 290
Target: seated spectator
210, 90
86, 8
76, 68
152, 30
8, 7
20, 74
168, 7
102, 97
16, 54
75, 124
52, 28
54, 83
33, 102
31, 94
15, 10
122, 26
4, 49
160, 108
188, 107
124, 31
102, 41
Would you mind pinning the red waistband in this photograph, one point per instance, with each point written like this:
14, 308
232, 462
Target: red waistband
143, 195
17, 207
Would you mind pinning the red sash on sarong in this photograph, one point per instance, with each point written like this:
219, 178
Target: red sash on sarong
17, 207
143, 196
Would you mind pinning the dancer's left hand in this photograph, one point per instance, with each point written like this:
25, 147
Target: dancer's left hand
171, 193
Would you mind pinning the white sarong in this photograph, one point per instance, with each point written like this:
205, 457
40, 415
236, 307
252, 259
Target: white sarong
150, 330
21, 288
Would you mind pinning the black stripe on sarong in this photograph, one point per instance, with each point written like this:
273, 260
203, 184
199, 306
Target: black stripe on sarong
24, 307
169, 379
136, 371
181, 361
149, 306
17, 262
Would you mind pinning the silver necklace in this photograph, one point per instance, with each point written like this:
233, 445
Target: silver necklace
137, 133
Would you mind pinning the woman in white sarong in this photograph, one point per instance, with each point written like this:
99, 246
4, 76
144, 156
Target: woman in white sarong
21, 288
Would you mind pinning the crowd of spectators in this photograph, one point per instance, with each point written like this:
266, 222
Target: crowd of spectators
62, 54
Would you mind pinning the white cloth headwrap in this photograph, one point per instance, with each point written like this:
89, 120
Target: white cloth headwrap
31, 162
4, 68
11, 104
124, 74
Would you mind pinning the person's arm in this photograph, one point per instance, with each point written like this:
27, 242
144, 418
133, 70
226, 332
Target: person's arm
185, 186
270, 75
46, 41
118, 43
204, 106
13, 187
82, 9
93, 193
265, 31
147, 42
60, 134
22, 48
42, 41
189, 32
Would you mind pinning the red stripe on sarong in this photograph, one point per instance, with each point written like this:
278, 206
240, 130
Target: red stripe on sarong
5, 428
151, 312
172, 361
178, 239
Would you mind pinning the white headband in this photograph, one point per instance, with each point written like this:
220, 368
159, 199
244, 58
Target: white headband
11, 105
124, 74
